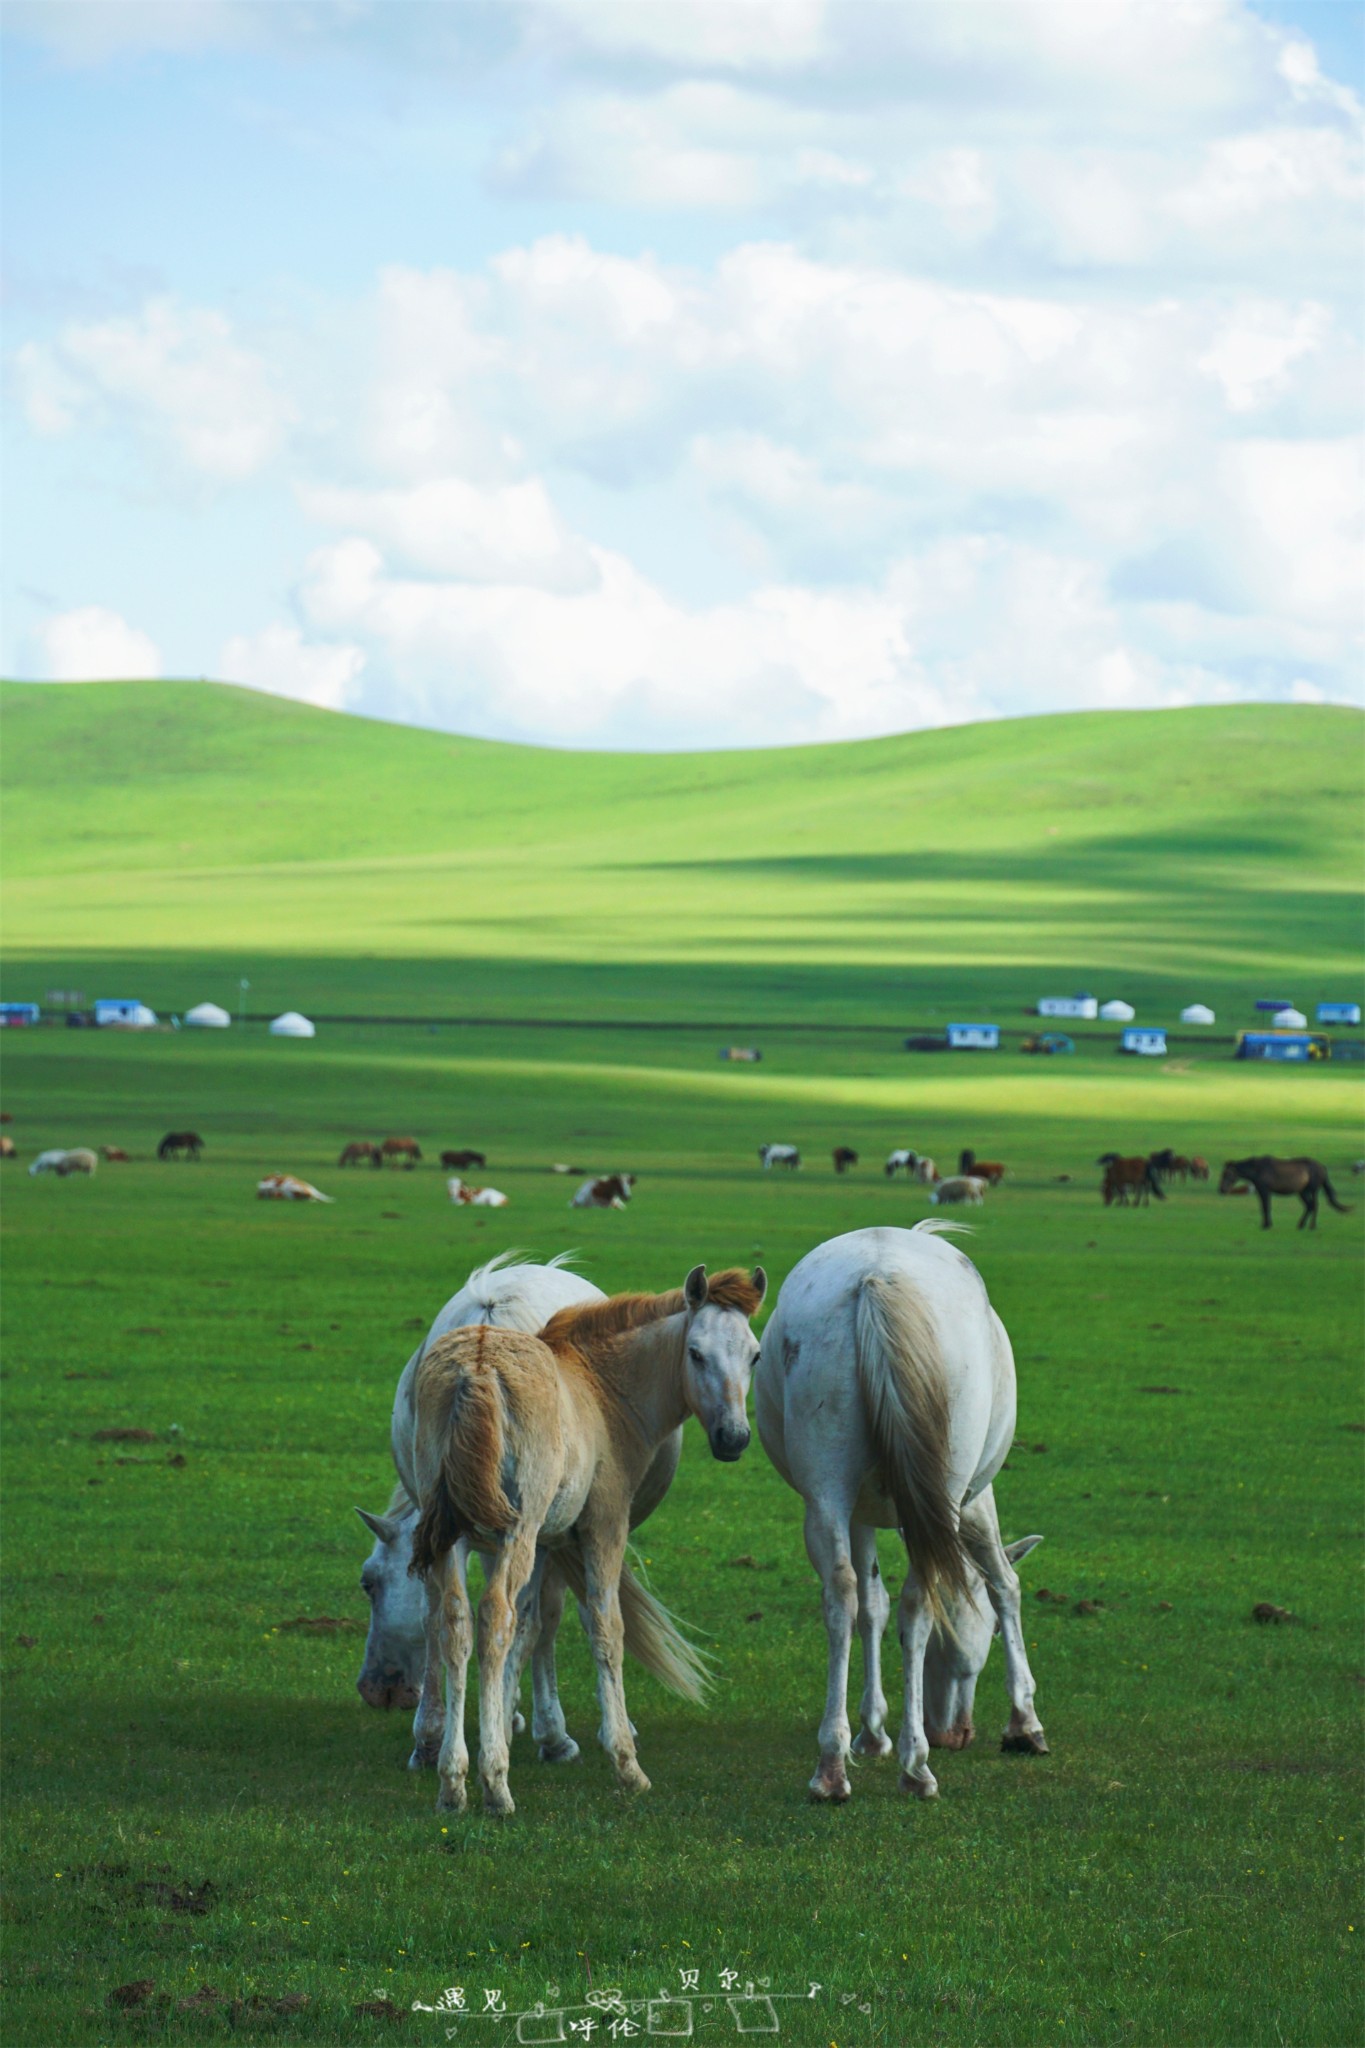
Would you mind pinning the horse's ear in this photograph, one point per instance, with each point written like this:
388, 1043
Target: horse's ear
381, 1526
760, 1280
694, 1288
1016, 1551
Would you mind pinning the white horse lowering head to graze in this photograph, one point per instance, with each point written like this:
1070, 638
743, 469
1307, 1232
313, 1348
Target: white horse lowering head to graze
80, 1159
960, 1187
521, 1441
779, 1155
901, 1161
885, 1397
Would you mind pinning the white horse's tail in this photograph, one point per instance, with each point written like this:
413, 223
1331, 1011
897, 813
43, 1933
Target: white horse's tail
653, 1637
900, 1369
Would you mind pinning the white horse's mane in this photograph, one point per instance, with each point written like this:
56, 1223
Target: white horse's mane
515, 1257
944, 1226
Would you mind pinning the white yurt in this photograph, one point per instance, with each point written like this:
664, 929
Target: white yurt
292, 1025
140, 1018
1197, 1013
1289, 1020
209, 1016
1117, 1012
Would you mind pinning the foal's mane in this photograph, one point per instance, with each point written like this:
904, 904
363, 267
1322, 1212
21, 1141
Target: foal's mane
593, 1325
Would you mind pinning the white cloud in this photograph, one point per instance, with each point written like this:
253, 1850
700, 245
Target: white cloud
92, 644
453, 528
1250, 356
281, 661
172, 371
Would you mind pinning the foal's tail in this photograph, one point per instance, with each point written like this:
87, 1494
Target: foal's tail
653, 1637
467, 1494
1344, 1208
900, 1369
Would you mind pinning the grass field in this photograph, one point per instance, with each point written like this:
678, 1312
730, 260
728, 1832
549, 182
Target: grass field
1184, 1867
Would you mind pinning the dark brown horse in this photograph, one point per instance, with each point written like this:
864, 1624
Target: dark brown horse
458, 1162
1306, 1178
844, 1157
176, 1142
1124, 1176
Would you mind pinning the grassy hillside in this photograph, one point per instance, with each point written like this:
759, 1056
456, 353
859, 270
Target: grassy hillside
173, 836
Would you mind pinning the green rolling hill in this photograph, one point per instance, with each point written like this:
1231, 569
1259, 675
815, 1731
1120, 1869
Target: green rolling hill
163, 838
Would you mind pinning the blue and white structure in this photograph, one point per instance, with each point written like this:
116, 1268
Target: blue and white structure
974, 1037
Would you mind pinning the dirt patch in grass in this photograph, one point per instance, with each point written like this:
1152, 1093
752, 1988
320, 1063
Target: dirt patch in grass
124, 1436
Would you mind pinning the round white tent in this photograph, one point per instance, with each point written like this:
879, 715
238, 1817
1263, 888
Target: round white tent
1289, 1020
140, 1018
1197, 1013
209, 1016
292, 1025
1117, 1012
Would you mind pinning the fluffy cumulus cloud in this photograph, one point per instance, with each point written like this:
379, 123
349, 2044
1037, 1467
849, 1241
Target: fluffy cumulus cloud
94, 644
920, 364
176, 373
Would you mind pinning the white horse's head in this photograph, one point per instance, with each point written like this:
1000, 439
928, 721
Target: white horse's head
719, 1354
395, 1648
953, 1663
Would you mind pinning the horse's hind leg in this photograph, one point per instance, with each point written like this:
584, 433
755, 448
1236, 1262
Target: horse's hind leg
429, 1720
981, 1539
523, 1646
914, 1623
1309, 1198
874, 1610
828, 1548
512, 1566
457, 1640
555, 1744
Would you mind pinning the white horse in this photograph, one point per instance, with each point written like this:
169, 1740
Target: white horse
885, 1396
509, 1296
779, 1155
901, 1161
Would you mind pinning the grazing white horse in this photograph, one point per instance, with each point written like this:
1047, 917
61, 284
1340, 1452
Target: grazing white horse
507, 1295
960, 1187
885, 1396
779, 1155
79, 1160
902, 1161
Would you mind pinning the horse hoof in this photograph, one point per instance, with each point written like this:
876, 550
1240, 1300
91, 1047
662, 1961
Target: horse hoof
632, 1780
1024, 1742
565, 1751
924, 1787
950, 1738
830, 1788
870, 1745
498, 1801
451, 1798
423, 1759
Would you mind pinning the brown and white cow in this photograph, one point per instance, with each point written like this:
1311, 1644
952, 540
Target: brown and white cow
611, 1191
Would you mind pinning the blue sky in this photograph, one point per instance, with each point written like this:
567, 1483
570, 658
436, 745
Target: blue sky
647, 375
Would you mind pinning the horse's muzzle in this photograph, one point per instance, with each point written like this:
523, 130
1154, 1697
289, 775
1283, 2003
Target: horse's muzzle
385, 1690
729, 1444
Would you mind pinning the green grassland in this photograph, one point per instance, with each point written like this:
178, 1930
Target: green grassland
1183, 1868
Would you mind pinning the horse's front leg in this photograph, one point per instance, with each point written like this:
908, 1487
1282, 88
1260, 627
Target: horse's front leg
512, 1567
981, 1539
827, 1546
914, 1622
555, 1744
429, 1720
604, 1550
874, 1610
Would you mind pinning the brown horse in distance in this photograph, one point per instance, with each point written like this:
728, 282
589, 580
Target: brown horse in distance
1306, 1178
360, 1149
460, 1162
406, 1149
1124, 1176
176, 1142
844, 1157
